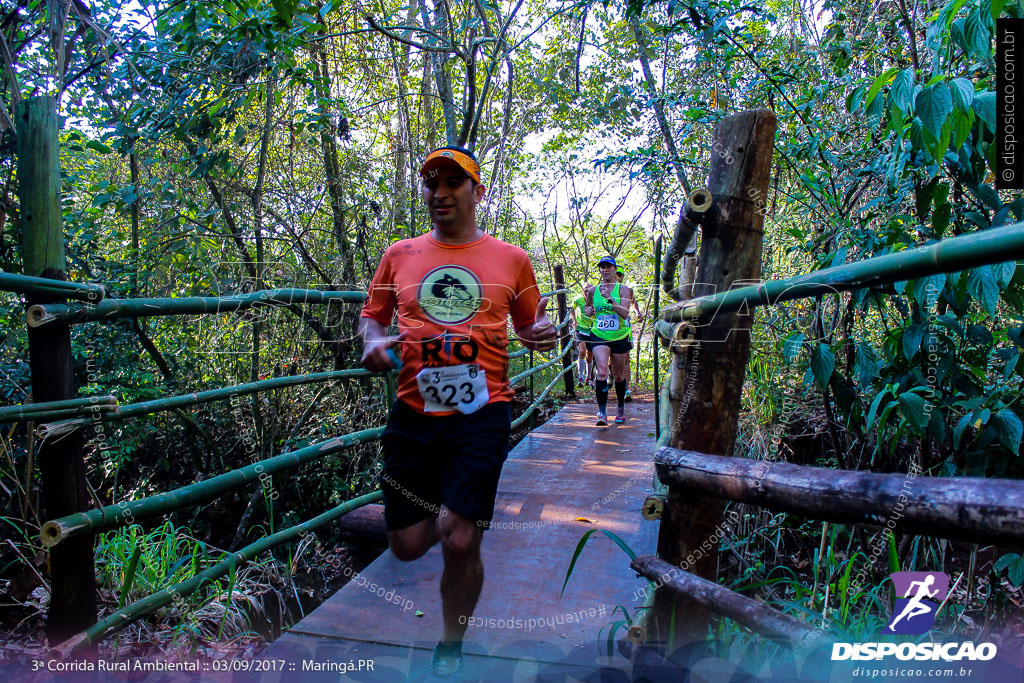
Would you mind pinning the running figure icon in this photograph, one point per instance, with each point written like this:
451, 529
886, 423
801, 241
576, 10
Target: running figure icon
914, 607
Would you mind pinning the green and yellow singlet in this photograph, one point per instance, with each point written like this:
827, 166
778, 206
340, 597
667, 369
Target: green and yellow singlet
609, 325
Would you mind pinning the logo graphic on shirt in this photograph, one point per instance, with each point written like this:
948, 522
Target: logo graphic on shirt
913, 612
450, 295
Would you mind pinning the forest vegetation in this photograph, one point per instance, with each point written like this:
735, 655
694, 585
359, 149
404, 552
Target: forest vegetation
228, 147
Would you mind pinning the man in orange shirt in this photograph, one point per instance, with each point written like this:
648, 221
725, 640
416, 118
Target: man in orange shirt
454, 290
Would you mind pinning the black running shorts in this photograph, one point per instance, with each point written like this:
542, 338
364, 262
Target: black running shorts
451, 460
617, 346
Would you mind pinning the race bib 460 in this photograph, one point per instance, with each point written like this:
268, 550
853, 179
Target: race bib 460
608, 322
455, 387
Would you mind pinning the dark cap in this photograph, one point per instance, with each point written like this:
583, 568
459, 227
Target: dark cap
608, 260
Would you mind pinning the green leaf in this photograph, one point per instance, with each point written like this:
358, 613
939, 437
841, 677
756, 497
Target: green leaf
1003, 273
1009, 427
1015, 573
911, 341
984, 106
873, 112
98, 146
927, 289
866, 364
879, 83
933, 105
822, 363
285, 9
129, 575
923, 195
791, 346
981, 285
894, 558
912, 407
977, 35
870, 420
579, 549
902, 90
963, 93
1005, 561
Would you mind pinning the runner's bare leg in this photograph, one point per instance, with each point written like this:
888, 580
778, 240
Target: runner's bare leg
414, 541
463, 576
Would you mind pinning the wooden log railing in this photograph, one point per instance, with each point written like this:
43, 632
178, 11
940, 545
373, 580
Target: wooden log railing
717, 598
959, 508
699, 469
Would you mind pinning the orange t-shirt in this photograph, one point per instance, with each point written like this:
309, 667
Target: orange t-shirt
453, 302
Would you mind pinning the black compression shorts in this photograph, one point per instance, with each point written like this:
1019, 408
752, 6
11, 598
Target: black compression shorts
618, 346
451, 460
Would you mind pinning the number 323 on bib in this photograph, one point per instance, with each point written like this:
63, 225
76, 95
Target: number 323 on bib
455, 387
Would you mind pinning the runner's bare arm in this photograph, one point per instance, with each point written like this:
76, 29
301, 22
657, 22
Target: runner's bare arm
376, 342
625, 297
541, 334
588, 292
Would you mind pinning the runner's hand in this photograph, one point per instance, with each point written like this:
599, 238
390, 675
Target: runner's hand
541, 335
376, 356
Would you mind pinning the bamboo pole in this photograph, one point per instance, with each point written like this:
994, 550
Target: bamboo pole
26, 284
708, 377
530, 372
61, 464
675, 336
64, 414
73, 406
977, 510
137, 308
563, 318
951, 255
58, 531
543, 394
717, 598
156, 405
138, 609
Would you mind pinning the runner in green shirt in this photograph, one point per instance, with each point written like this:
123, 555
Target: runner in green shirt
584, 323
609, 302
620, 275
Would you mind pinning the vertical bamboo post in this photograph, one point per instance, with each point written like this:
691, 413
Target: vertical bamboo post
563, 335
706, 407
61, 463
654, 340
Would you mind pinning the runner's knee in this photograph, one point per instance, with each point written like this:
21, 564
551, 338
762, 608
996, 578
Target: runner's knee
406, 548
460, 538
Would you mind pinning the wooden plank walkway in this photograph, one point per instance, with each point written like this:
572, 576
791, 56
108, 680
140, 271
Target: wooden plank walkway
563, 479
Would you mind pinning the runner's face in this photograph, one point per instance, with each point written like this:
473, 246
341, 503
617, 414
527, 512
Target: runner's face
451, 198
607, 272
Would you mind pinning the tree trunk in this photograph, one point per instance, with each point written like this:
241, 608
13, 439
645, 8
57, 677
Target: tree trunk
706, 409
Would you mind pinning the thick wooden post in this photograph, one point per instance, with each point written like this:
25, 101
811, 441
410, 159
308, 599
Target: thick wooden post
708, 377
564, 335
654, 339
61, 463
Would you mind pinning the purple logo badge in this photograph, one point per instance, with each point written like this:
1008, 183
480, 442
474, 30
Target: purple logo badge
918, 595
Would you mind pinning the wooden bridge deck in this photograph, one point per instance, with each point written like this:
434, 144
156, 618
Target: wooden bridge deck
563, 479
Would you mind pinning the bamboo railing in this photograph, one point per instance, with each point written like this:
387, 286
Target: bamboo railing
85, 411
109, 309
26, 284
174, 402
995, 245
165, 596
113, 516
